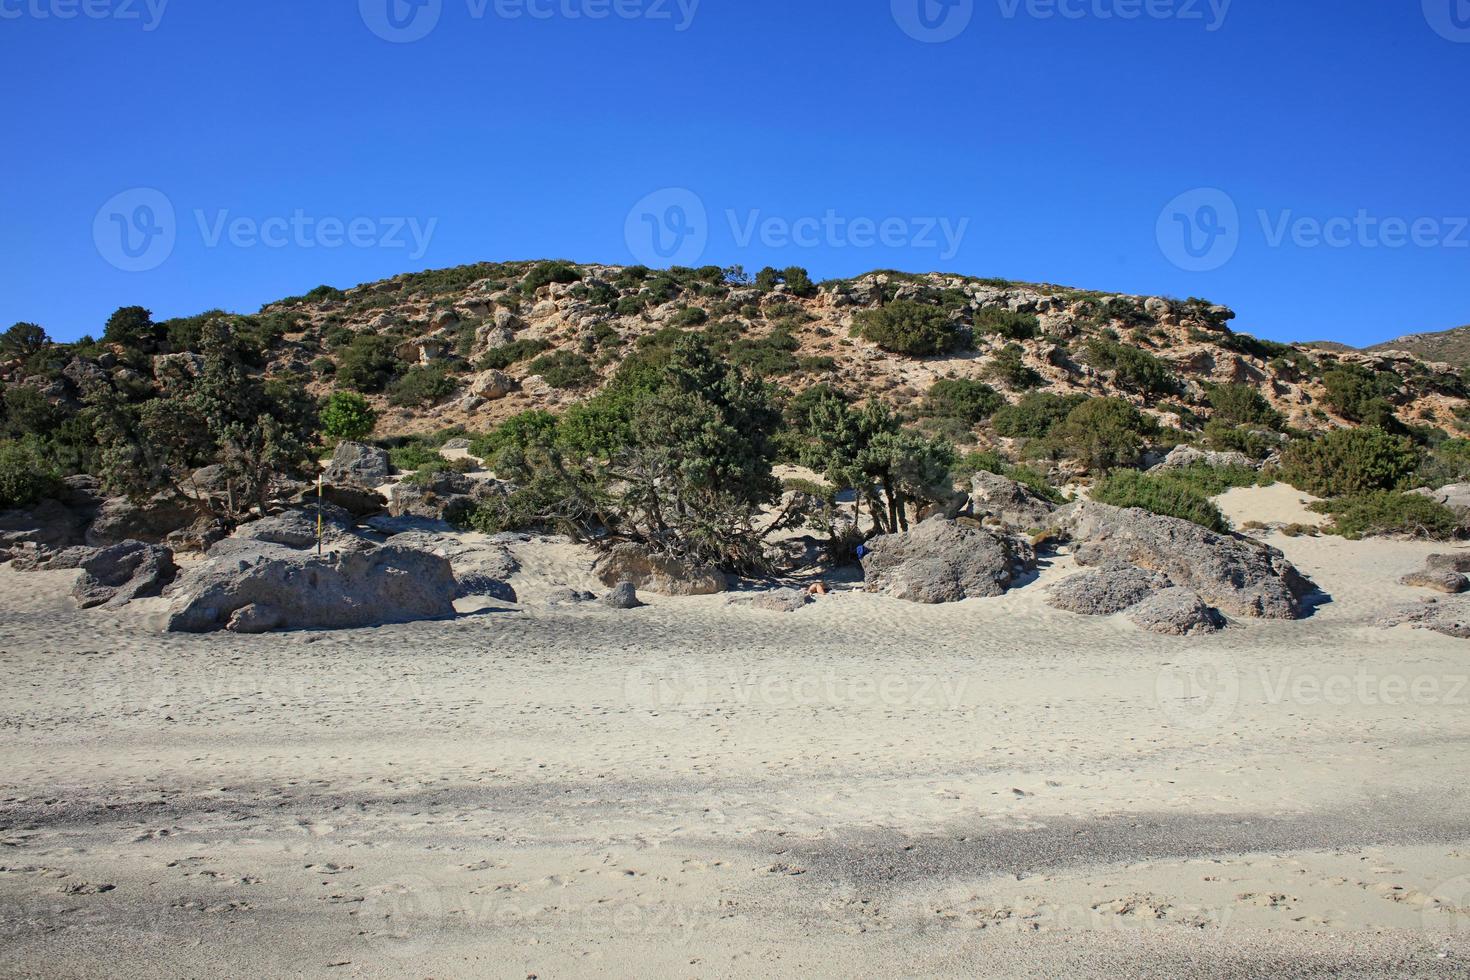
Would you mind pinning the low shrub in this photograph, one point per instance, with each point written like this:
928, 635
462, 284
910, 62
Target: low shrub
1349, 462
1103, 433
1132, 368
347, 415
563, 369
25, 476
1160, 495
1212, 480
502, 357
972, 401
1387, 512
545, 273
422, 386
1035, 415
1007, 323
368, 363
1242, 405
1009, 366
906, 327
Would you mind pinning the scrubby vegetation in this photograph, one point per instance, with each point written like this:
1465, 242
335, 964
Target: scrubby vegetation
25, 476
349, 416
1160, 495
907, 327
1348, 462
970, 401
1386, 512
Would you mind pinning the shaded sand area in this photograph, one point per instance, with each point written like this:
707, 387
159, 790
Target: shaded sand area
700, 789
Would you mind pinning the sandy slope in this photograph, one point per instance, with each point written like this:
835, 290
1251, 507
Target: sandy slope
698, 789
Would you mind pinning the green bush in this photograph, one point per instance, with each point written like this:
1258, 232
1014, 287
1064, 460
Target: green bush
989, 461
1134, 369
1212, 480
1230, 438
368, 363
545, 273
1387, 512
906, 327
1007, 323
1009, 366
1160, 495
1348, 462
422, 386
1103, 433
972, 401
563, 369
1448, 462
502, 357
22, 340
1035, 415
25, 477
768, 356
521, 432
1242, 405
348, 416
413, 456
1358, 394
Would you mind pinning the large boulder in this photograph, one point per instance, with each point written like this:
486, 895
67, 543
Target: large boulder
48, 526
356, 464
492, 385
1106, 591
117, 575
1443, 573
481, 568
255, 586
151, 521
781, 601
945, 561
650, 572
1013, 504
1176, 612
445, 496
1181, 457
1240, 576
297, 528
1456, 496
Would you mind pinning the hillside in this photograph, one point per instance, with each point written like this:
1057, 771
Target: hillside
484, 342
1449, 346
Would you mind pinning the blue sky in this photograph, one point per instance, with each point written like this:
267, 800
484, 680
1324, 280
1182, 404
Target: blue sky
1303, 162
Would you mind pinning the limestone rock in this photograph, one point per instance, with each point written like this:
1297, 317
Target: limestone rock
945, 561
1176, 612
1106, 591
631, 562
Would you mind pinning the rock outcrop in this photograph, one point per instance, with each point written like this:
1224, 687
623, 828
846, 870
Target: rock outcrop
622, 596
1449, 616
1176, 612
117, 575
1012, 504
1106, 591
1185, 456
945, 561
355, 464
781, 601
1239, 576
1442, 573
650, 572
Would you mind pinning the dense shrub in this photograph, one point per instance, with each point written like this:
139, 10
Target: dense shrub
768, 356
368, 363
1103, 433
25, 477
347, 415
563, 369
1242, 405
906, 327
972, 401
1160, 495
1007, 323
1212, 480
1358, 394
502, 357
545, 273
1035, 415
1448, 462
422, 386
520, 432
1349, 462
1134, 369
413, 455
1230, 438
1387, 512
989, 461
22, 340
1009, 365
131, 327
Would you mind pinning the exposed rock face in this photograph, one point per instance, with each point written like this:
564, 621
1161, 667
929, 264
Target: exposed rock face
254, 586
1456, 496
358, 501
781, 601
1176, 612
1107, 591
622, 596
117, 575
446, 496
1443, 573
355, 464
48, 526
630, 562
478, 585
1240, 576
1183, 456
1450, 616
1013, 504
152, 521
945, 561
297, 529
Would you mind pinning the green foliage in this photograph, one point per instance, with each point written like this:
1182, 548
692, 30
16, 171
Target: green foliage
131, 327
502, 357
564, 369
520, 432
1166, 496
906, 327
422, 386
368, 363
1134, 369
1349, 462
794, 278
1035, 415
348, 416
1242, 405
1212, 480
1358, 394
545, 273
768, 356
1388, 512
1103, 433
22, 340
1007, 323
971, 401
1225, 437
412, 455
1448, 462
26, 477
989, 461
1009, 365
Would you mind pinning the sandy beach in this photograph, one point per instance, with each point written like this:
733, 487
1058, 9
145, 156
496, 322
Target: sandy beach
697, 788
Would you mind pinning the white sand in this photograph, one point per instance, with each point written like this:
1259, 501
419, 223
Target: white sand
865, 787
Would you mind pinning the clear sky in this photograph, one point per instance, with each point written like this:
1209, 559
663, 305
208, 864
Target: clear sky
1304, 161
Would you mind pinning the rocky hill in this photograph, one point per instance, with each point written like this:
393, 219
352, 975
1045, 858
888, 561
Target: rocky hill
480, 343
1448, 346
